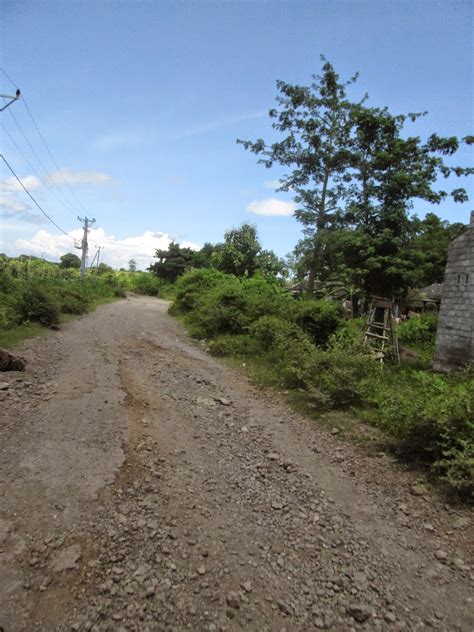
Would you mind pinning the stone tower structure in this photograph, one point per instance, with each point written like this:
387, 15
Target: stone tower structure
455, 334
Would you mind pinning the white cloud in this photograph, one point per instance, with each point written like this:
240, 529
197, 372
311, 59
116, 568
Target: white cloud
272, 184
68, 176
119, 140
271, 206
11, 185
210, 126
11, 208
115, 252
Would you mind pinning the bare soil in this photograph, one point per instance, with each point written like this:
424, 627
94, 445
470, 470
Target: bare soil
145, 485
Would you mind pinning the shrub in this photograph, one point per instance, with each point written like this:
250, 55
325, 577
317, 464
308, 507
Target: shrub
73, 302
228, 345
431, 418
191, 286
33, 301
318, 318
286, 349
340, 374
418, 330
220, 310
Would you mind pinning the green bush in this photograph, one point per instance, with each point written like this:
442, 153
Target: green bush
418, 330
73, 302
285, 349
431, 417
33, 301
219, 310
228, 345
215, 303
191, 286
320, 319
341, 373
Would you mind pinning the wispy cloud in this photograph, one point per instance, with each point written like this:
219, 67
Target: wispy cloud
14, 209
68, 176
217, 123
271, 207
120, 140
11, 185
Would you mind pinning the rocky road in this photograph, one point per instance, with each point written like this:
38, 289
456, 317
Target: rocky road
147, 486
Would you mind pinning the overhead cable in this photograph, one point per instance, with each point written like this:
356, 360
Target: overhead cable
33, 199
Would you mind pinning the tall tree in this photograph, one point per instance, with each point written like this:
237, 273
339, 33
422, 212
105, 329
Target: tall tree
353, 170
316, 125
70, 260
172, 262
241, 254
389, 171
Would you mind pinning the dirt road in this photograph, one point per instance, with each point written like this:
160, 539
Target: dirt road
148, 486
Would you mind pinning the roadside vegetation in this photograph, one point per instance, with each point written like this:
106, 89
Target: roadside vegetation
37, 294
305, 346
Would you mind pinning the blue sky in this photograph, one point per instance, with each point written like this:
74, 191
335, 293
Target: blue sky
141, 103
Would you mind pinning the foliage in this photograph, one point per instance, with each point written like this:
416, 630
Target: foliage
141, 283
418, 330
191, 286
307, 345
70, 260
431, 416
428, 247
221, 304
319, 319
36, 302
172, 262
242, 255
132, 265
355, 173
315, 122
33, 290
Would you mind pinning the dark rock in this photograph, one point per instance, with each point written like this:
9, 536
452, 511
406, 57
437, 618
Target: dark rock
359, 612
284, 607
9, 362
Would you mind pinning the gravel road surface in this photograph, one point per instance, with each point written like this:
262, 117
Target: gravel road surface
147, 486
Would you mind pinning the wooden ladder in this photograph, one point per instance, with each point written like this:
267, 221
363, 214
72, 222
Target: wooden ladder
380, 331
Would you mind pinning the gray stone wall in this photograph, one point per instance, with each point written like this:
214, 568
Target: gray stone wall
455, 334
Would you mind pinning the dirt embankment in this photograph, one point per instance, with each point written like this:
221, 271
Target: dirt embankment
147, 486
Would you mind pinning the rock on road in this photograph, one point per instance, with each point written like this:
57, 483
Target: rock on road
147, 486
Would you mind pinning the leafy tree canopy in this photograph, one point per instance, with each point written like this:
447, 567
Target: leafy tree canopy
70, 260
172, 262
355, 174
241, 254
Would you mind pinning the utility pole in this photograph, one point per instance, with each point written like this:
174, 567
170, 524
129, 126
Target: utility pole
98, 257
85, 247
12, 99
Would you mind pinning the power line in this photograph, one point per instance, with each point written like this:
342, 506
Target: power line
33, 199
49, 183
60, 173
29, 143
43, 140
9, 78
46, 182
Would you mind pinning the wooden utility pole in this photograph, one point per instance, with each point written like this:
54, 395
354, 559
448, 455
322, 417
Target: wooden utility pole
85, 247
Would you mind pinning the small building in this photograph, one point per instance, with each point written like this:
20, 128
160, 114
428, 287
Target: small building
455, 334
